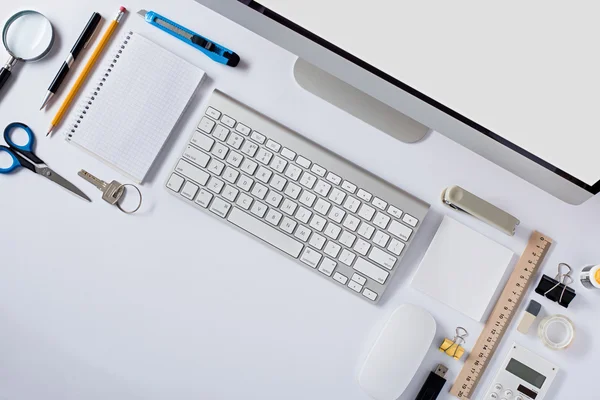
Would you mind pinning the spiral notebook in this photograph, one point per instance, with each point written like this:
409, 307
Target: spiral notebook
135, 100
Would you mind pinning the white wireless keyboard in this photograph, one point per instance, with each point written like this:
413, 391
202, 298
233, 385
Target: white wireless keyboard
321, 210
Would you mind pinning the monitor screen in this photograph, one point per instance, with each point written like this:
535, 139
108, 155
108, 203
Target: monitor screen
525, 72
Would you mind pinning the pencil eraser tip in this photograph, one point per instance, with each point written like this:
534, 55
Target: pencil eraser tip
123, 9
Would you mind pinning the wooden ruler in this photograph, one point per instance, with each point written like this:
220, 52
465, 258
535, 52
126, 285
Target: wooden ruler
501, 316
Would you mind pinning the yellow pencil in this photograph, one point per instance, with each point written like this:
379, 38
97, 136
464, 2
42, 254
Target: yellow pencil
86, 70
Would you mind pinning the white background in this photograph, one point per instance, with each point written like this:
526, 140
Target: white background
171, 304
524, 70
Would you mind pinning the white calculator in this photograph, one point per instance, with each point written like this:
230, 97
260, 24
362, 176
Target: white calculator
523, 376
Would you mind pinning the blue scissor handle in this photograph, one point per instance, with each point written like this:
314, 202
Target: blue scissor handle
15, 162
28, 147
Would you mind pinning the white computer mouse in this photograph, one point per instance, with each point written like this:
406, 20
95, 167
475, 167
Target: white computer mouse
397, 353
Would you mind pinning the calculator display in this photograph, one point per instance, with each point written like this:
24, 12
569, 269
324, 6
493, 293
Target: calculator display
524, 372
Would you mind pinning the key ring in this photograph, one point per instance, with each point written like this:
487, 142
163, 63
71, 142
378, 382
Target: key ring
118, 204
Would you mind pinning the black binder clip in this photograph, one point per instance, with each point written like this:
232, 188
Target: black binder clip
556, 289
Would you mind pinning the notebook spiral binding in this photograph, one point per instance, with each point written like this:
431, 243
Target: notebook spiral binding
87, 102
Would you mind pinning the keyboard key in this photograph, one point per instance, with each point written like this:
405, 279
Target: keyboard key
366, 212
347, 239
249, 148
352, 204
245, 183
362, 247
259, 209
308, 180
244, 201
263, 231
409, 219
230, 175
377, 202
216, 166
381, 238
369, 294
215, 185
322, 207
243, 129
318, 222
322, 188
382, 258
175, 182
278, 164
337, 214
221, 133
340, 278
260, 191
196, 156
307, 198
333, 231
396, 247
317, 241
206, 125
394, 212
327, 266
371, 270
293, 172
230, 193
287, 153
332, 249
274, 198
220, 151
288, 224
355, 286
273, 145
364, 195
381, 220
249, 166
234, 159
273, 217
361, 280
259, 137
365, 230
189, 190
351, 222
333, 178
220, 207
211, 112
400, 230
303, 215
348, 186
263, 174
235, 141
264, 156
337, 196
302, 233
193, 173
278, 182
303, 162
317, 169
204, 198
347, 257
202, 141
288, 207
227, 120
292, 190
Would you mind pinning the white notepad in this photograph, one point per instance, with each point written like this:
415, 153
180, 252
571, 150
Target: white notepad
137, 97
462, 268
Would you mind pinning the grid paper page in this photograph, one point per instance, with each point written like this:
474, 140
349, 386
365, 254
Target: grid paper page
135, 109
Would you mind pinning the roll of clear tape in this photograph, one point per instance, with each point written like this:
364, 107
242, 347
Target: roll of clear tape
557, 332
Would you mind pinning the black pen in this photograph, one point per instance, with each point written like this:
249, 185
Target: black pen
80, 44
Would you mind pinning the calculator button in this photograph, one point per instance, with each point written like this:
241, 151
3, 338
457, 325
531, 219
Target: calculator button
497, 387
508, 393
211, 112
519, 398
493, 396
227, 120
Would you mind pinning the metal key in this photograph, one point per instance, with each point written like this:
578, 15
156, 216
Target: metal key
111, 192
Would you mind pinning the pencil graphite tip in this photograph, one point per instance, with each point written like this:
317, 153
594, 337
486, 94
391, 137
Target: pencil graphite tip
50, 130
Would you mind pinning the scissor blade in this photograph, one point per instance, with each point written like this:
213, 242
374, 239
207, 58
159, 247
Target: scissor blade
56, 178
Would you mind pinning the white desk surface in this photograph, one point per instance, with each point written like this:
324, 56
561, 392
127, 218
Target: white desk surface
172, 304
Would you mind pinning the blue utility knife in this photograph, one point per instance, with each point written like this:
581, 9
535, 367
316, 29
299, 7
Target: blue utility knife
213, 50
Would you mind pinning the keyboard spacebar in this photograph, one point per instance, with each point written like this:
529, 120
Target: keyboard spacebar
265, 232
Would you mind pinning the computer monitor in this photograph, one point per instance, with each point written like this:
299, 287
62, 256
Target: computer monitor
469, 72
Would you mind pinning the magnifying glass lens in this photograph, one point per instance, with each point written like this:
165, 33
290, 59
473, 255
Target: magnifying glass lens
29, 36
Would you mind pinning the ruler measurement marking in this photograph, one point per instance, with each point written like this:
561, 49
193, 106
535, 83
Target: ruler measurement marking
501, 316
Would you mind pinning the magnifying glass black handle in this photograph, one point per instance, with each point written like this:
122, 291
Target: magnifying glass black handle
4, 75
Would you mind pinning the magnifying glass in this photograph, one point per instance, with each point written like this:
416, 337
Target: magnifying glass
27, 36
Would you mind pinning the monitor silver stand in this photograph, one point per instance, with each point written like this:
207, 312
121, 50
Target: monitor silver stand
357, 103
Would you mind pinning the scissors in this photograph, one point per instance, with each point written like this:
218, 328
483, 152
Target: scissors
23, 156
